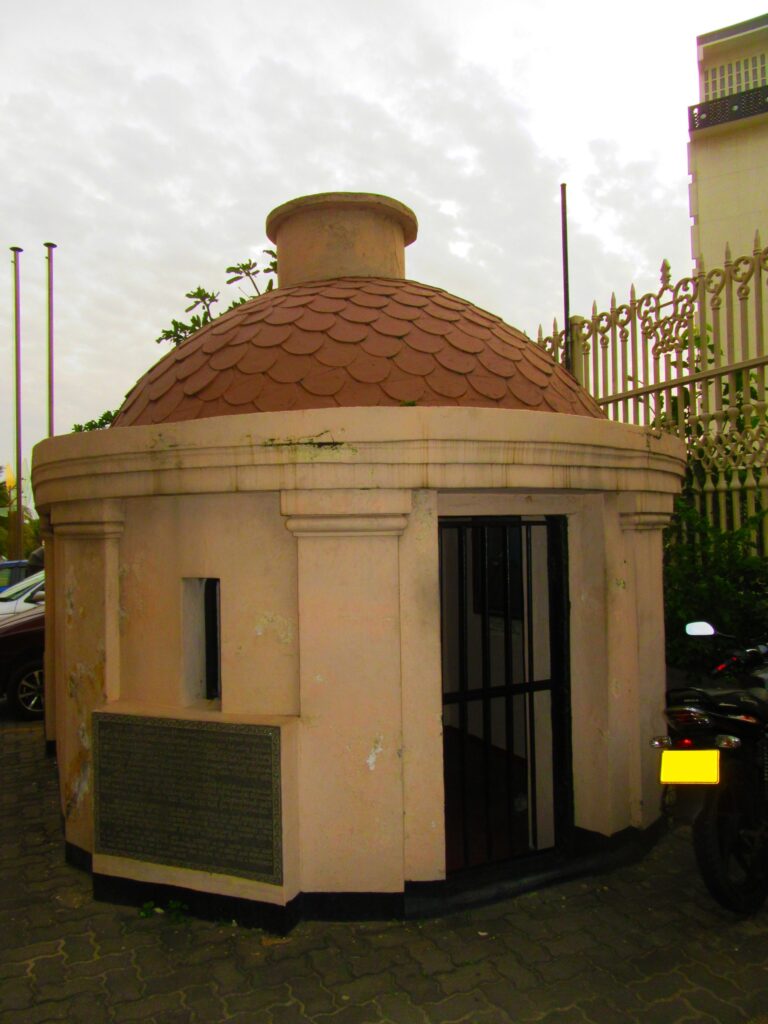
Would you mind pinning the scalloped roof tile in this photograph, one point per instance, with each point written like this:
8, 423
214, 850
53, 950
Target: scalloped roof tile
352, 342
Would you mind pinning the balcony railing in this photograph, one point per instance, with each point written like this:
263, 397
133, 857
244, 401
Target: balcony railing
728, 108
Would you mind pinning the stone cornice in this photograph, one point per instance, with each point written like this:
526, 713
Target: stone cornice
396, 449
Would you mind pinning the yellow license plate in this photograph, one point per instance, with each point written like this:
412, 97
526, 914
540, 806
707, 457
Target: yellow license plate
694, 767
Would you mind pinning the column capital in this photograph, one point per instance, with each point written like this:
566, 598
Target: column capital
95, 518
645, 511
346, 512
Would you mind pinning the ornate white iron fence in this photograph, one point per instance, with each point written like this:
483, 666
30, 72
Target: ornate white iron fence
690, 359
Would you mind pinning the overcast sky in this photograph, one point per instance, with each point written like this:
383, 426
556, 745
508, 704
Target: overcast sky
149, 140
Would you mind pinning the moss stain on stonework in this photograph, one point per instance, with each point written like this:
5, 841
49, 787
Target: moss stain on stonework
283, 628
309, 447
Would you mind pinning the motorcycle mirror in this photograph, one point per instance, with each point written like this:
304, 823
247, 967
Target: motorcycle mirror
699, 629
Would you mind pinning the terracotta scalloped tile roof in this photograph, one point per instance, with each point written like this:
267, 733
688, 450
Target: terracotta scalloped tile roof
355, 341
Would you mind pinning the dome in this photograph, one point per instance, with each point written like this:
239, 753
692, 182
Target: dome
352, 342
346, 328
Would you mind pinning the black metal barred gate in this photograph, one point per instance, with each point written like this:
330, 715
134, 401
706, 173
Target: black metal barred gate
506, 706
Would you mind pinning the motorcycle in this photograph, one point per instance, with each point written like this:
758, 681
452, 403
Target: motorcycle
716, 757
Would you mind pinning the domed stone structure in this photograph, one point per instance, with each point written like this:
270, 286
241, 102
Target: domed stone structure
361, 589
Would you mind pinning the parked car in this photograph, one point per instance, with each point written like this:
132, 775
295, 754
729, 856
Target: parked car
23, 595
22, 642
12, 572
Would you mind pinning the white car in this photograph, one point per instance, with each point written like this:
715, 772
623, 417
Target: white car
25, 594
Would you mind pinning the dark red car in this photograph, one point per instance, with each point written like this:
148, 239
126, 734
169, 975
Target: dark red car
22, 641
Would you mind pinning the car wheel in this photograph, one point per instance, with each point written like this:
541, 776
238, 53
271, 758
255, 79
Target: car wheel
26, 689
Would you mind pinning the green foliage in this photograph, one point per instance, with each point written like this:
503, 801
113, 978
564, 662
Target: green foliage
203, 301
30, 530
713, 575
103, 421
176, 911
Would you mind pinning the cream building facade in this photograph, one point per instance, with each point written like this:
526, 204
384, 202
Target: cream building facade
728, 147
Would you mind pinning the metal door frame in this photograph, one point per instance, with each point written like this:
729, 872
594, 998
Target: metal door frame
558, 684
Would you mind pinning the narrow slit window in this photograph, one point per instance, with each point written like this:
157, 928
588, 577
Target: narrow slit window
212, 621
201, 613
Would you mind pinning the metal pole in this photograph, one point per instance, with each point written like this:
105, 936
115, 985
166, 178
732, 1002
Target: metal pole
50, 246
567, 351
17, 546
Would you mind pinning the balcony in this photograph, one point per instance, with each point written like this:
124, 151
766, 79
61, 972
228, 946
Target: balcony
728, 108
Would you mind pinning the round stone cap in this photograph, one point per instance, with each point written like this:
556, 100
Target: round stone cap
340, 234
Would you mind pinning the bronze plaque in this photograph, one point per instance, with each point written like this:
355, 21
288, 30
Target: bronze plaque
202, 795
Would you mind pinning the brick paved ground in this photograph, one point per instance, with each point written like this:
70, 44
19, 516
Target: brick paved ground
644, 943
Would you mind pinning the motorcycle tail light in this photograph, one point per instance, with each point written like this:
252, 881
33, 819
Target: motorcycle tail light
682, 718
727, 742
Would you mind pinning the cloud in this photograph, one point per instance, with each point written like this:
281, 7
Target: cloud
152, 147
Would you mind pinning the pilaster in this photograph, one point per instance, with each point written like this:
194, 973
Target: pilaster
350, 747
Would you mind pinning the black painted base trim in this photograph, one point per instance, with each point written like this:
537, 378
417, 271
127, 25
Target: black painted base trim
77, 857
210, 906
589, 854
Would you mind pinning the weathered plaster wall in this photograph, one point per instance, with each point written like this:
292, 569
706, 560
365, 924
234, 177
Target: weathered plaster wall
240, 539
321, 526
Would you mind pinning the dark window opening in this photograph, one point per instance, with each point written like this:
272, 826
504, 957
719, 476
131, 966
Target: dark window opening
212, 631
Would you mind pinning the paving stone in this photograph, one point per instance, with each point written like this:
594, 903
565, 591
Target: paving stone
289, 1014
396, 1008
367, 1014
466, 978
519, 1006
16, 994
456, 1007
122, 984
203, 1001
257, 999
365, 989
670, 1011
147, 1007
331, 967
723, 1010
40, 1013
312, 995
642, 944
69, 989
431, 958
421, 988
515, 973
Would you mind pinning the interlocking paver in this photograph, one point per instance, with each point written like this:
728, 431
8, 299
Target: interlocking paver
639, 945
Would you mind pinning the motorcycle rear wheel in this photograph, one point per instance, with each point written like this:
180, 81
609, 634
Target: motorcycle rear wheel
729, 838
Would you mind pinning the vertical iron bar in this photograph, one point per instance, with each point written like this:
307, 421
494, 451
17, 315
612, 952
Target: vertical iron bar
531, 751
567, 350
18, 526
508, 695
463, 669
484, 533
50, 246
560, 704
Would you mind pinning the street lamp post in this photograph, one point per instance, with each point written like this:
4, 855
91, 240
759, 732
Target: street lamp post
16, 539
